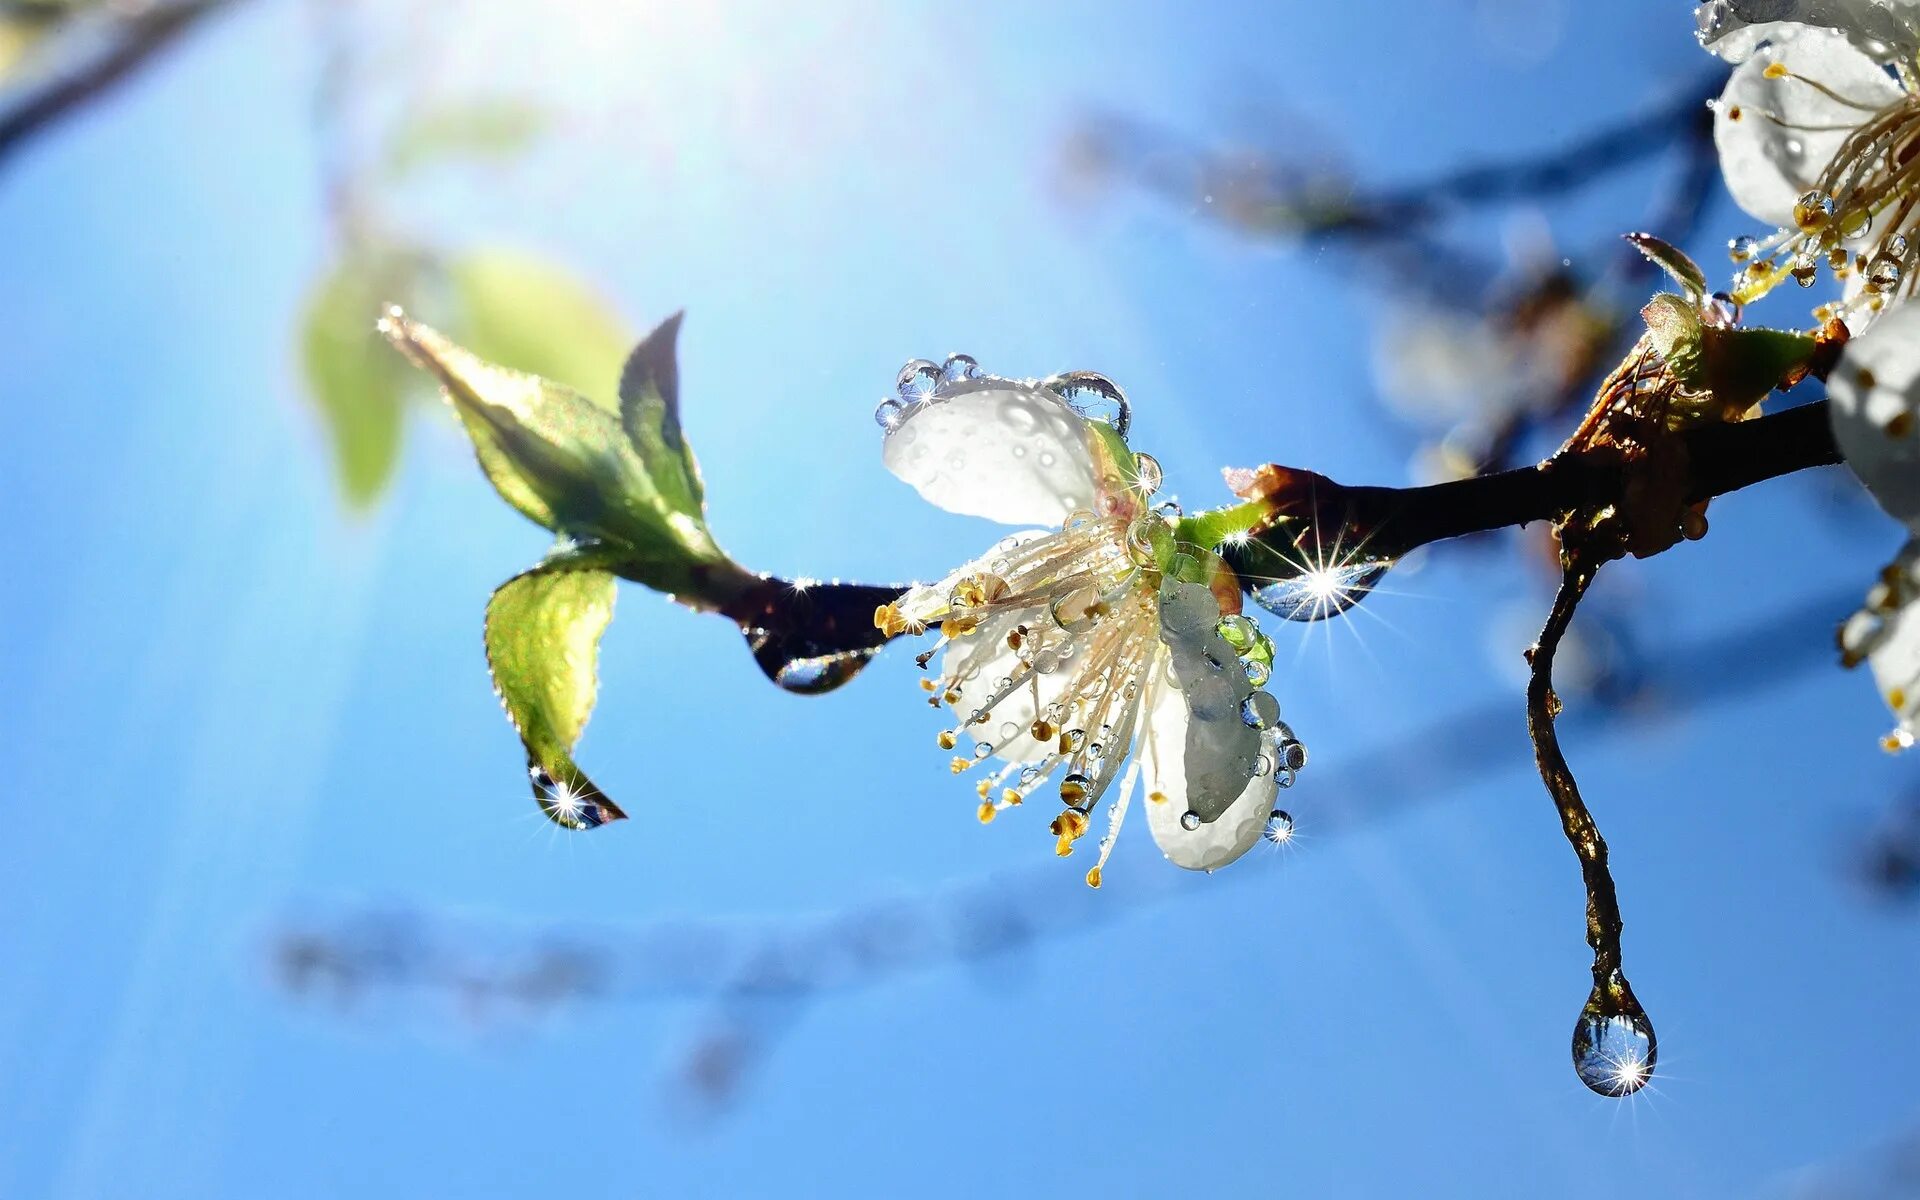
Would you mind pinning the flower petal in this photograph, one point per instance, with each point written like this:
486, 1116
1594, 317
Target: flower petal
1887, 634
1002, 449
1777, 134
1874, 394
1211, 844
1733, 29
1200, 754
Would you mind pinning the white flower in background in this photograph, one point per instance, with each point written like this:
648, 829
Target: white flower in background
1096, 655
1874, 400
1819, 134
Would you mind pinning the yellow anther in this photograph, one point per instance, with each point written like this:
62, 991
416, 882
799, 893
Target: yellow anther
1010, 798
889, 620
928, 685
952, 696
1156, 797
946, 739
1072, 791
959, 765
1015, 637
1093, 877
985, 788
1776, 70
987, 812
1897, 698
1042, 731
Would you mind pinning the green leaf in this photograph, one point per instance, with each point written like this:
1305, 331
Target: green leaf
358, 385
650, 411
543, 644
1673, 322
528, 314
1743, 365
566, 463
1683, 270
487, 129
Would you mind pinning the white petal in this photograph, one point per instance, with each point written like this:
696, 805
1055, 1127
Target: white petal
1732, 29
997, 448
1212, 844
1887, 632
1874, 394
1200, 754
1769, 163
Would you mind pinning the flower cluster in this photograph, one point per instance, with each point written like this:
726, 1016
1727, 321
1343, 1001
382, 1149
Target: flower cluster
1098, 656
1819, 134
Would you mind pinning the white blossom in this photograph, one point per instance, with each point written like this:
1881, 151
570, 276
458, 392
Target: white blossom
1818, 130
1095, 656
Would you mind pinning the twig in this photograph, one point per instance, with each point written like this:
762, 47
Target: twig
137, 40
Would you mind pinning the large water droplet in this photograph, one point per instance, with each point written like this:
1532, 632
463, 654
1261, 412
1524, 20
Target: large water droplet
958, 368
1614, 1055
1279, 827
1095, 397
1320, 593
917, 380
889, 413
1189, 820
1260, 710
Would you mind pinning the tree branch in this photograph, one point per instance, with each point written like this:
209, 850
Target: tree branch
135, 41
1389, 522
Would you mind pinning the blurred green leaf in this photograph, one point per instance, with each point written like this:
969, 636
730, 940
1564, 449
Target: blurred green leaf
357, 384
543, 644
528, 314
567, 463
487, 129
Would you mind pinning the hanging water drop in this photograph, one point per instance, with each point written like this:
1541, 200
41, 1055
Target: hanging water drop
1883, 274
1614, 1055
1320, 593
889, 413
1147, 467
1257, 672
1279, 829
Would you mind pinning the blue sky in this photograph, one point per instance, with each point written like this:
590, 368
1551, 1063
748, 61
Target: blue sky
234, 704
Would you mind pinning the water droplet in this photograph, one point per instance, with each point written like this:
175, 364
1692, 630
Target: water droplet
1883, 274
1292, 752
1613, 1054
1257, 672
1723, 309
1149, 541
1151, 477
1238, 631
889, 413
959, 368
1071, 605
1320, 593
1814, 208
1279, 826
1095, 397
1742, 248
1260, 710
1189, 820
1008, 729
917, 380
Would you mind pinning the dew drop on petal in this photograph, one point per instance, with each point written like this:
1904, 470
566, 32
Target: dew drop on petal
1151, 476
917, 380
1260, 710
1189, 820
1279, 827
1095, 397
959, 368
889, 414
1257, 672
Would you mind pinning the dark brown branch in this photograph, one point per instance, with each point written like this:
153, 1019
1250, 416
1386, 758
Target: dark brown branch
136, 41
1392, 521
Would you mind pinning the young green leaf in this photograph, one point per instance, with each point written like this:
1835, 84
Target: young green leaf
358, 386
1681, 269
567, 463
543, 643
487, 128
650, 410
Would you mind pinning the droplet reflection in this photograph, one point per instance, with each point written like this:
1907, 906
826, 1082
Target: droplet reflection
1614, 1055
